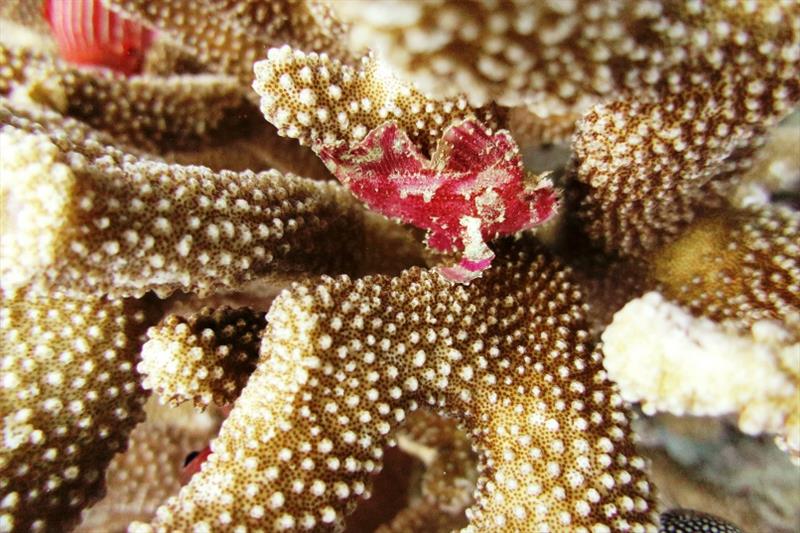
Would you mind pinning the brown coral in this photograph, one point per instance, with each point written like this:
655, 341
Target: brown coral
317, 99
153, 112
740, 266
649, 172
110, 223
229, 36
558, 58
205, 358
344, 361
70, 396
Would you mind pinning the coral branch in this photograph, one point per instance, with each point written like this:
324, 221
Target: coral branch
101, 221
671, 361
152, 112
205, 358
560, 58
316, 99
739, 266
648, 171
70, 396
343, 363
228, 37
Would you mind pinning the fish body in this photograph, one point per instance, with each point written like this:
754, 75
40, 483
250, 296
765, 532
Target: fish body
88, 33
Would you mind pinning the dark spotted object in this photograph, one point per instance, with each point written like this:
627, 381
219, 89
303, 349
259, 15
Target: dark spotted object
687, 521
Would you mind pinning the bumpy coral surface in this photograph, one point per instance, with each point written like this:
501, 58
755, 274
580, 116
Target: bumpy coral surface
70, 396
672, 361
205, 358
343, 363
427, 112
99, 221
738, 265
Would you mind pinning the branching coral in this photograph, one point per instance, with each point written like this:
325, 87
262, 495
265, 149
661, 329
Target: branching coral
230, 36
559, 57
318, 99
649, 172
197, 118
740, 266
100, 199
344, 361
205, 358
100, 221
777, 169
672, 361
70, 396
150, 111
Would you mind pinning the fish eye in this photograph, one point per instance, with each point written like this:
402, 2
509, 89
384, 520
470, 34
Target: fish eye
190, 457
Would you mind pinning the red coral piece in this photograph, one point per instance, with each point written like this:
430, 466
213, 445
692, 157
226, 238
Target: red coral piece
469, 192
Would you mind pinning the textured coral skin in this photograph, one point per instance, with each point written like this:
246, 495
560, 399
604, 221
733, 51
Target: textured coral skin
469, 192
344, 362
676, 97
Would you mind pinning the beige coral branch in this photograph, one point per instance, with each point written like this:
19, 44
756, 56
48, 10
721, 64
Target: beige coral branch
558, 57
206, 357
70, 395
91, 218
153, 112
649, 171
733, 265
314, 98
343, 362
228, 37
672, 361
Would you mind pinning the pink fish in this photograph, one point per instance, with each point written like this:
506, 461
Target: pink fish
471, 190
192, 464
88, 33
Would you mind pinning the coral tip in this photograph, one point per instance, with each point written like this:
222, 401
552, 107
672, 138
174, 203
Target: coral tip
88, 33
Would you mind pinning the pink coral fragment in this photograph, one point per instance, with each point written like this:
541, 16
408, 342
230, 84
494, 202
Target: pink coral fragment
471, 190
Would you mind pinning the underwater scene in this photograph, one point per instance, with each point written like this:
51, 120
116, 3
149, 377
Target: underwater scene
400, 266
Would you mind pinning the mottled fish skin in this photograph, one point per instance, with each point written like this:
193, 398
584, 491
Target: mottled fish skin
88, 33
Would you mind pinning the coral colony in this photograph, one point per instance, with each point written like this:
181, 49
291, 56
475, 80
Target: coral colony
307, 229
